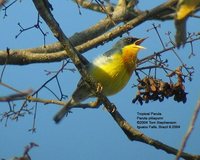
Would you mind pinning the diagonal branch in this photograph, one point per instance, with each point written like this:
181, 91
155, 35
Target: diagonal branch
190, 128
16, 96
94, 6
131, 133
87, 39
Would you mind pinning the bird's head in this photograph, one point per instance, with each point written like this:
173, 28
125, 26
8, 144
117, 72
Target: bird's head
131, 42
130, 47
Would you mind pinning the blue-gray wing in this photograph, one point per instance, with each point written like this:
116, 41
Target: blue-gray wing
82, 91
111, 51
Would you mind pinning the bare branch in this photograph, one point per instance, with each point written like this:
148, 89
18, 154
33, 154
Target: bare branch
189, 131
95, 7
131, 133
85, 40
2, 4
10, 87
45, 101
17, 96
26, 155
73, 54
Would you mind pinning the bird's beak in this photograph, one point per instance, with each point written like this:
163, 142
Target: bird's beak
139, 41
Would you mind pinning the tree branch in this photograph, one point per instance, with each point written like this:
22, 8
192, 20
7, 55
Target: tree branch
131, 133
44, 101
94, 6
87, 39
189, 131
16, 96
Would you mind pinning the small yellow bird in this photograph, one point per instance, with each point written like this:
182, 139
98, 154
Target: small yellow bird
184, 9
112, 70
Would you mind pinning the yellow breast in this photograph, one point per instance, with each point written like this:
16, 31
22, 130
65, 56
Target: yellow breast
113, 72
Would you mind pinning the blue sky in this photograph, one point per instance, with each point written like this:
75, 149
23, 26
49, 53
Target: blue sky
90, 134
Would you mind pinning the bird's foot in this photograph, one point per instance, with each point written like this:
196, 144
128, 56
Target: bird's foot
99, 88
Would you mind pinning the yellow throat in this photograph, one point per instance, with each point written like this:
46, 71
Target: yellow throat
114, 72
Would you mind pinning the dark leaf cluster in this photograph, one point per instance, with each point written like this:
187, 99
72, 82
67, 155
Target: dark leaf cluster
151, 89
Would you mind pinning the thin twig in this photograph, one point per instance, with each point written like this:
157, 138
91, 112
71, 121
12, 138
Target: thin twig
10, 87
189, 131
17, 96
44, 101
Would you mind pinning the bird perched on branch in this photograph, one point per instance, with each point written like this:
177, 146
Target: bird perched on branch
184, 9
112, 70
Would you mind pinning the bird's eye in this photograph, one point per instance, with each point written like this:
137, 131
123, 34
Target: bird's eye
130, 40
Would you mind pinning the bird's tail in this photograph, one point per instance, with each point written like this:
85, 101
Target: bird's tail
180, 32
59, 116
